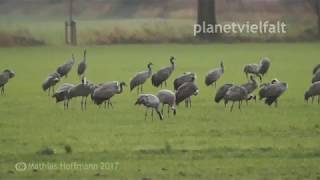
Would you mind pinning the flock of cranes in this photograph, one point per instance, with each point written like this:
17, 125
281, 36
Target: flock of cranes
184, 87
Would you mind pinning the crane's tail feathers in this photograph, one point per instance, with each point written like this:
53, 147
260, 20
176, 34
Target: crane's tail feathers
218, 99
207, 82
155, 81
270, 100
98, 101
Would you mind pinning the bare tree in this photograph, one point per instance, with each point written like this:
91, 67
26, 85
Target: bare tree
207, 15
316, 6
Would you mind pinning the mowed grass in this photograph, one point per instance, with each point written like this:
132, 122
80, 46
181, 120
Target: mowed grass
205, 142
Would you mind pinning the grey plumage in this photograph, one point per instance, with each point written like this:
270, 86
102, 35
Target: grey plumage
265, 64
316, 69
62, 94
168, 98
106, 91
251, 85
316, 77
313, 91
222, 92
186, 77
163, 74
82, 90
258, 70
185, 91
214, 75
271, 92
140, 78
83, 64
64, 69
149, 101
234, 94
50, 82
4, 78
252, 69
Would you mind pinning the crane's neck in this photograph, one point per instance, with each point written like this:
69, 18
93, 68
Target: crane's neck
149, 70
173, 65
121, 88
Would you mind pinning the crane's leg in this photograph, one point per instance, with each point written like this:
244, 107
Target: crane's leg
189, 102
231, 106
145, 114
165, 83
239, 105
2, 90
276, 103
312, 99
215, 84
152, 114
168, 111
111, 105
64, 104
162, 108
105, 104
85, 103
82, 103
68, 104
49, 91
186, 103
53, 90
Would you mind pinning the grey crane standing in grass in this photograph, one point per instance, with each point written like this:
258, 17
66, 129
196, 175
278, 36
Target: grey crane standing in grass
50, 82
272, 91
149, 101
168, 98
258, 70
106, 91
313, 91
62, 94
222, 92
4, 78
265, 64
64, 69
140, 78
184, 93
251, 86
82, 65
163, 74
186, 77
82, 90
316, 77
214, 75
236, 93
316, 69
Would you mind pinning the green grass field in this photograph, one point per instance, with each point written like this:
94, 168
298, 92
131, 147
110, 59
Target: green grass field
205, 142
